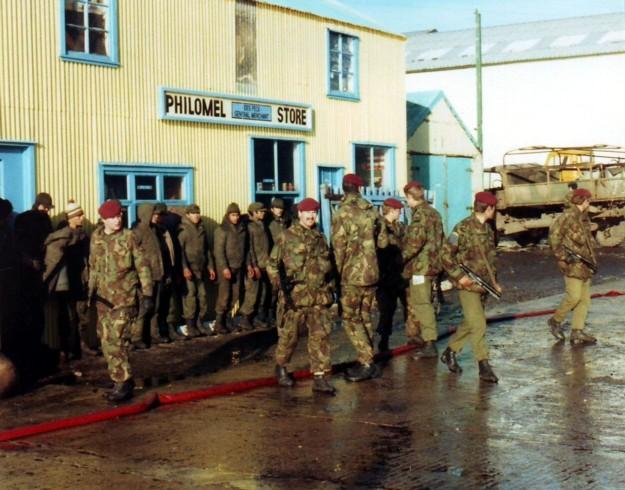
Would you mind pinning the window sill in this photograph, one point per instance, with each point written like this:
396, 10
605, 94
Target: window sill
286, 193
342, 96
90, 60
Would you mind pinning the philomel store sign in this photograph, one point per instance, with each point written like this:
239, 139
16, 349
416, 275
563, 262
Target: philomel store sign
204, 107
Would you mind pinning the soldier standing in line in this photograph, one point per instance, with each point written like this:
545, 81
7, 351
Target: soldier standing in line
257, 291
197, 268
230, 250
277, 225
472, 244
571, 242
356, 234
421, 248
300, 262
117, 268
392, 285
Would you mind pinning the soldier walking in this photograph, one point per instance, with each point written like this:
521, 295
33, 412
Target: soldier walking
571, 242
197, 268
356, 234
421, 249
117, 268
300, 267
472, 244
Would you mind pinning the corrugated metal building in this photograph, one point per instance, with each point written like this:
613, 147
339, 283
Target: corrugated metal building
210, 101
554, 83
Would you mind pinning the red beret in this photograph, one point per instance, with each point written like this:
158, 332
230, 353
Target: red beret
486, 198
353, 179
308, 204
393, 203
584, 193
110, 209
415, 184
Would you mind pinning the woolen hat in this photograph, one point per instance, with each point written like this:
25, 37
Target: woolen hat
256, 206
233, 207
308, 204
393, 203
73, 209
415, 184
160, 208
486, 198
110, 209
192, 208
583, 193
44, 199
353, 179
277, 203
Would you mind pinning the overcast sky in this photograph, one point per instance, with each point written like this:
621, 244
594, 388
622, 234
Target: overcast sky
446, 15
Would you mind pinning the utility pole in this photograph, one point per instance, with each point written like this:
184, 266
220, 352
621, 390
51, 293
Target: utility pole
478, 74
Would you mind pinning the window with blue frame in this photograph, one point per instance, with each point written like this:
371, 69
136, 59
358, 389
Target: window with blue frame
89, 31
375, 165
343, 66
133, 185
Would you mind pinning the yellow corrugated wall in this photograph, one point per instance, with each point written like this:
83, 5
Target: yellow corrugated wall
79, 114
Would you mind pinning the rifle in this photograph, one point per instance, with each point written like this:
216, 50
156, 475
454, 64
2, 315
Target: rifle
587, 262
481, 282
286, 286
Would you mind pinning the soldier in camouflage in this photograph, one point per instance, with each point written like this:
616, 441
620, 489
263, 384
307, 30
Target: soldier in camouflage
356, 233
570, 239
302, 257
421, 248
117, 269
392, 286
472, 244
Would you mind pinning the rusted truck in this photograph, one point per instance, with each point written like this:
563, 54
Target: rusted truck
534, 183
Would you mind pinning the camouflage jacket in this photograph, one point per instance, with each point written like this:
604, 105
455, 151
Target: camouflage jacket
117, 267
276, 227
195, 252
356, 233
231, 245
259, 243
306, 260
572, 229
422, 242
472, 244
390, 260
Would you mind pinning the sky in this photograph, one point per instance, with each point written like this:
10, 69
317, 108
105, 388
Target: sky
448, 15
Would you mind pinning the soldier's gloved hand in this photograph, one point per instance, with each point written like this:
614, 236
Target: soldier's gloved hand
227, 274
211, 274
250, 272
257, 273
465, 282
187, 273
146, 305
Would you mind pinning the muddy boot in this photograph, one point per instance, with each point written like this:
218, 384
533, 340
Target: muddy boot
579, 337
556, 329
321, 385
246, 323
192, 331
449, 358
362, 372
205, 328
85, 349
416, 340
138, 345
486, 372
428, 350
174, 334
121, 391
283, 377
220, 325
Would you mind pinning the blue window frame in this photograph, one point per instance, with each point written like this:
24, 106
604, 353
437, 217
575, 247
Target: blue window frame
374, 163
88, 31
137, 184
343, 73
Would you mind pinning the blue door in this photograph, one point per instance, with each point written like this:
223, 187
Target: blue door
330, 180
448, 184
17, 175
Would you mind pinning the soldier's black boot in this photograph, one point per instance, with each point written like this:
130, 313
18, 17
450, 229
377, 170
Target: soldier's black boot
321, 385
246, 323
174, 334
192, 330
220, 325
486, 372
204, 328
428, 350
362, 372
449, 358
579, 337
121, 391
416, 340
283, 377
556, 329
383, 344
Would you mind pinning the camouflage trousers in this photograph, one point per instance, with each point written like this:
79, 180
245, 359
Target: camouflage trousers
228, 291
113, 331
357, 303
421, 316
195, 300
473, 326
576, 298
318, 321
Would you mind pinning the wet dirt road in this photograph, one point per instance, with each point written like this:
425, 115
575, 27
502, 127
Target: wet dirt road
555, 419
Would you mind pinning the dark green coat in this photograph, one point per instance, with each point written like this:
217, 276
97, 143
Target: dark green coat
196, 254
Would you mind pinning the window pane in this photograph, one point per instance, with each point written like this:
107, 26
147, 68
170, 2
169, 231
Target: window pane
334, 62
263, 165
347, 64
286, 162
74, 13
173, 187
347, 82
98, 42
145, 187
115, 187
335, 81
97, 17
363, 165
348, 44
379, 162
75, 39
334, 41
101, 2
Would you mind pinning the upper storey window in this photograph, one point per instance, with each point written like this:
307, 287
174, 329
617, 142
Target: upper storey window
343, 66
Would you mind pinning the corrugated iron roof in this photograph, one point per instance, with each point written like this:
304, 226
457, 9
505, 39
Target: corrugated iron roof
550, 39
